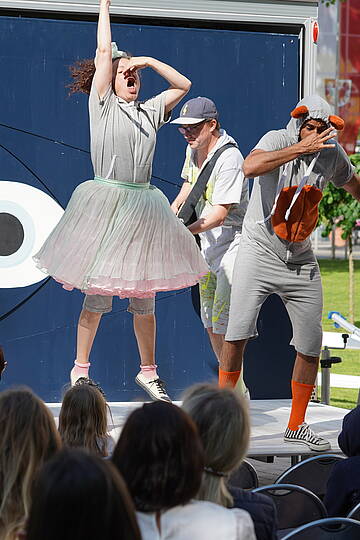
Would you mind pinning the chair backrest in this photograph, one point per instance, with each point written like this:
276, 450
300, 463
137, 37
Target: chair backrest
295, 505
327, 529
355, 512
244, 477
312, 473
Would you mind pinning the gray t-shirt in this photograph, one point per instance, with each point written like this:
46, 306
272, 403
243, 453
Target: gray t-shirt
123, 135
332, 165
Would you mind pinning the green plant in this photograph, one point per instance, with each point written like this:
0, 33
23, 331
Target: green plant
338, 208
355, 160
331, 2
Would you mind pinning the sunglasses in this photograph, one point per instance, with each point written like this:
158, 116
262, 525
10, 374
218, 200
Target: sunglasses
193, 128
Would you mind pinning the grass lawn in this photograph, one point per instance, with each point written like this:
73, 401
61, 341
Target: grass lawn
345, 398
335, 280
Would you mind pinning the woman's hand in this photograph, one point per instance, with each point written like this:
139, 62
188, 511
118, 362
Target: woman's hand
135, 63
105, 3
179, 85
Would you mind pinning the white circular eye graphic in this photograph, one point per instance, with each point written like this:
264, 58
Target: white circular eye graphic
27, 217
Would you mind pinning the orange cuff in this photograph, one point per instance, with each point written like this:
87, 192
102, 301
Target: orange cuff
228, 378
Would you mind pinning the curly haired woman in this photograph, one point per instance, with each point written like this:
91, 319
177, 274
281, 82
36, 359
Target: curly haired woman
118, 235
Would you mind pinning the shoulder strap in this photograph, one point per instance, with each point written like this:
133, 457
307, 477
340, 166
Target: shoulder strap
188, 207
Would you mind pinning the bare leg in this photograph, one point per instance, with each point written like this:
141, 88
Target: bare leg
148, 379
232, 353
305, 369
145, 331
217, 341
87, 328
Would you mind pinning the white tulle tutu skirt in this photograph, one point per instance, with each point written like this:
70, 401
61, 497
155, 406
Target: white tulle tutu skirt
120, 239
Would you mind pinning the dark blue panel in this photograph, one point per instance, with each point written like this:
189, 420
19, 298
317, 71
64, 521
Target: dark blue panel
253, 78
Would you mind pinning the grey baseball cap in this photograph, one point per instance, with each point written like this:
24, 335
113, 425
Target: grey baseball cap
195, 110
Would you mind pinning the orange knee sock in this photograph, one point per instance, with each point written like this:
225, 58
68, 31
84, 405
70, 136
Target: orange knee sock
301, 394
228, 378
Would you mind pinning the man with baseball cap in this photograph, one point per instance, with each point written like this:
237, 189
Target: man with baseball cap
220, 210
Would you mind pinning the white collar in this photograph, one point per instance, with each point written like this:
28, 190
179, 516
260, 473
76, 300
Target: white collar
122, 101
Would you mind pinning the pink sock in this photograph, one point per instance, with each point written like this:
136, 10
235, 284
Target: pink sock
80, 369
149, 371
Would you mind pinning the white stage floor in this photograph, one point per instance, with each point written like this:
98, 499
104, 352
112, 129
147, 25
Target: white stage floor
268, 421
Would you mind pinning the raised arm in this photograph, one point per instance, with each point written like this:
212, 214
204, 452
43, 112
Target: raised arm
179, 84
261, 161
103, 60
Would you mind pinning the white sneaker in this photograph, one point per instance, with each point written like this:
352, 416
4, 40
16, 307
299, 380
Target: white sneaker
154, 387
304, 434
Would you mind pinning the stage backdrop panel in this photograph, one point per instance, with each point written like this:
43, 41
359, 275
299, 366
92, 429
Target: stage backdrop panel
44, 141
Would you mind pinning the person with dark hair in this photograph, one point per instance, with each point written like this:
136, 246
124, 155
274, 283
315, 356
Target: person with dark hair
118, 235
343, 487
28, 438
83, 419
163, 469
291, 167
80, 496
223, 422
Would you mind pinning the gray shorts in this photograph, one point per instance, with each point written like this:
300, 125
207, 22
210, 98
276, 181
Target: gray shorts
215, 287
259, 273
103, 304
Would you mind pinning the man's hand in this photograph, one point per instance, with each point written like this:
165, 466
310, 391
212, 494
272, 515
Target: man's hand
105, 3
215, 218
316, 141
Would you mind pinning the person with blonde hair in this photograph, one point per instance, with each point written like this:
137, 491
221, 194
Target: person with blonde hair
28, 439
83, 419
222, 419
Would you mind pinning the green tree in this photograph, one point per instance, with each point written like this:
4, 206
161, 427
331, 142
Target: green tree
332, 2
339, 209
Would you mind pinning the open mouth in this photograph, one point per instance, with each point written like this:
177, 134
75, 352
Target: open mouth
131, 82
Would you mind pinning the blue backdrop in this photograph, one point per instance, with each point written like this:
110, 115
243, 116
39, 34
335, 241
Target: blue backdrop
252, 77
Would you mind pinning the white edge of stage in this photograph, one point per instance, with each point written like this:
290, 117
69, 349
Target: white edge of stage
268, 422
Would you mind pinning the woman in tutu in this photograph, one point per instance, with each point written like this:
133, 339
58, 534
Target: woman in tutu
118, 235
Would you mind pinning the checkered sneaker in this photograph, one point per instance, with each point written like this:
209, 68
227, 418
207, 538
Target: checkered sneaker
305, 435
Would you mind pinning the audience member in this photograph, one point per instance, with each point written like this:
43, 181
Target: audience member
28, 438
343, 488
83, 418
160, 455
79, 496
222, 419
